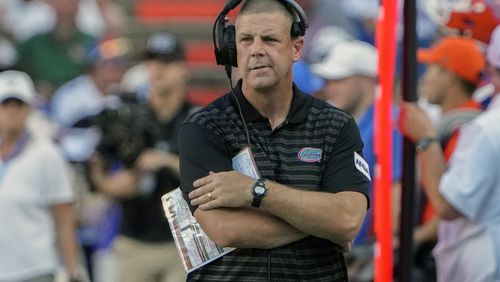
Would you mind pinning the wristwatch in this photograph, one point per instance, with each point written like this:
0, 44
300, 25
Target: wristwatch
424, 143
259, 191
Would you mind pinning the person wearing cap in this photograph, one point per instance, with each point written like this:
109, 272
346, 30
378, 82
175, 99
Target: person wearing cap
162, 53
350, 73
323, 39
455, 67
87, 95
144, 247
71, 109
36, 197
465, 192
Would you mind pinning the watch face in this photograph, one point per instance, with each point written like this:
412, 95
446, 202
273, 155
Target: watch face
259, 190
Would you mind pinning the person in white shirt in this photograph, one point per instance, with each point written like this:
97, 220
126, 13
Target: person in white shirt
465, 194
37, 222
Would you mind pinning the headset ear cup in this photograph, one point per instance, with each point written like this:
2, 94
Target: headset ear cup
219, 44
230, 40
297, 30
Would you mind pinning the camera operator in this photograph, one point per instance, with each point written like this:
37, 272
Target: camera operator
145, 247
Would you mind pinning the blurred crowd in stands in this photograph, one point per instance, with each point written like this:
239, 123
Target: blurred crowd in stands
109, 108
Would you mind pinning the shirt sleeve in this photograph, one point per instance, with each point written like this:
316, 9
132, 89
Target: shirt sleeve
200, 151
57, 180
471, 179
346, 169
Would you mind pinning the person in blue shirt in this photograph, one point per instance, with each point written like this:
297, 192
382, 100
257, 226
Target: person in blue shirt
350, 74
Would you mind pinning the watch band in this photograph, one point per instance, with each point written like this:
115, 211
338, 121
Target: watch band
424, 143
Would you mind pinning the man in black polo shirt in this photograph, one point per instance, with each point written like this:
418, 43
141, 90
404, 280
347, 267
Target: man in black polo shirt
312, 196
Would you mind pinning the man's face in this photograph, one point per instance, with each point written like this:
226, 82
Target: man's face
433, 84
345, 94
165, 76
265, 49
111, 71
65, 10
13, 115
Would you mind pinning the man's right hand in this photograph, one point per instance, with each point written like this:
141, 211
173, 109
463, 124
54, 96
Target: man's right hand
414, 123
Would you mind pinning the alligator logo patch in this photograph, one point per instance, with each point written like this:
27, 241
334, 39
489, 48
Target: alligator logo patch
310, 155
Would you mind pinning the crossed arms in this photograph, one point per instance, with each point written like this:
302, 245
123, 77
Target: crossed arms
285, 216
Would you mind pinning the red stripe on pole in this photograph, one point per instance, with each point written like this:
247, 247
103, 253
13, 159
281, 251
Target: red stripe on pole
382, 191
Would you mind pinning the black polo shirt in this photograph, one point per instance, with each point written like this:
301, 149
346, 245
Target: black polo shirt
318, 147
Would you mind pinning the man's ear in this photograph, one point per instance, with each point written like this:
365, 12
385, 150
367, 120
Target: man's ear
298, 44
449, 76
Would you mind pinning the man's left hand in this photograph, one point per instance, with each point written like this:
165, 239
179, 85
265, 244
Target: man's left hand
223, 189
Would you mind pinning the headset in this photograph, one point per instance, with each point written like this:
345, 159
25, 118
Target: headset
224, 36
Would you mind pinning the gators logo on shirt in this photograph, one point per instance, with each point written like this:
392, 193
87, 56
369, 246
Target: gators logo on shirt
310, 155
